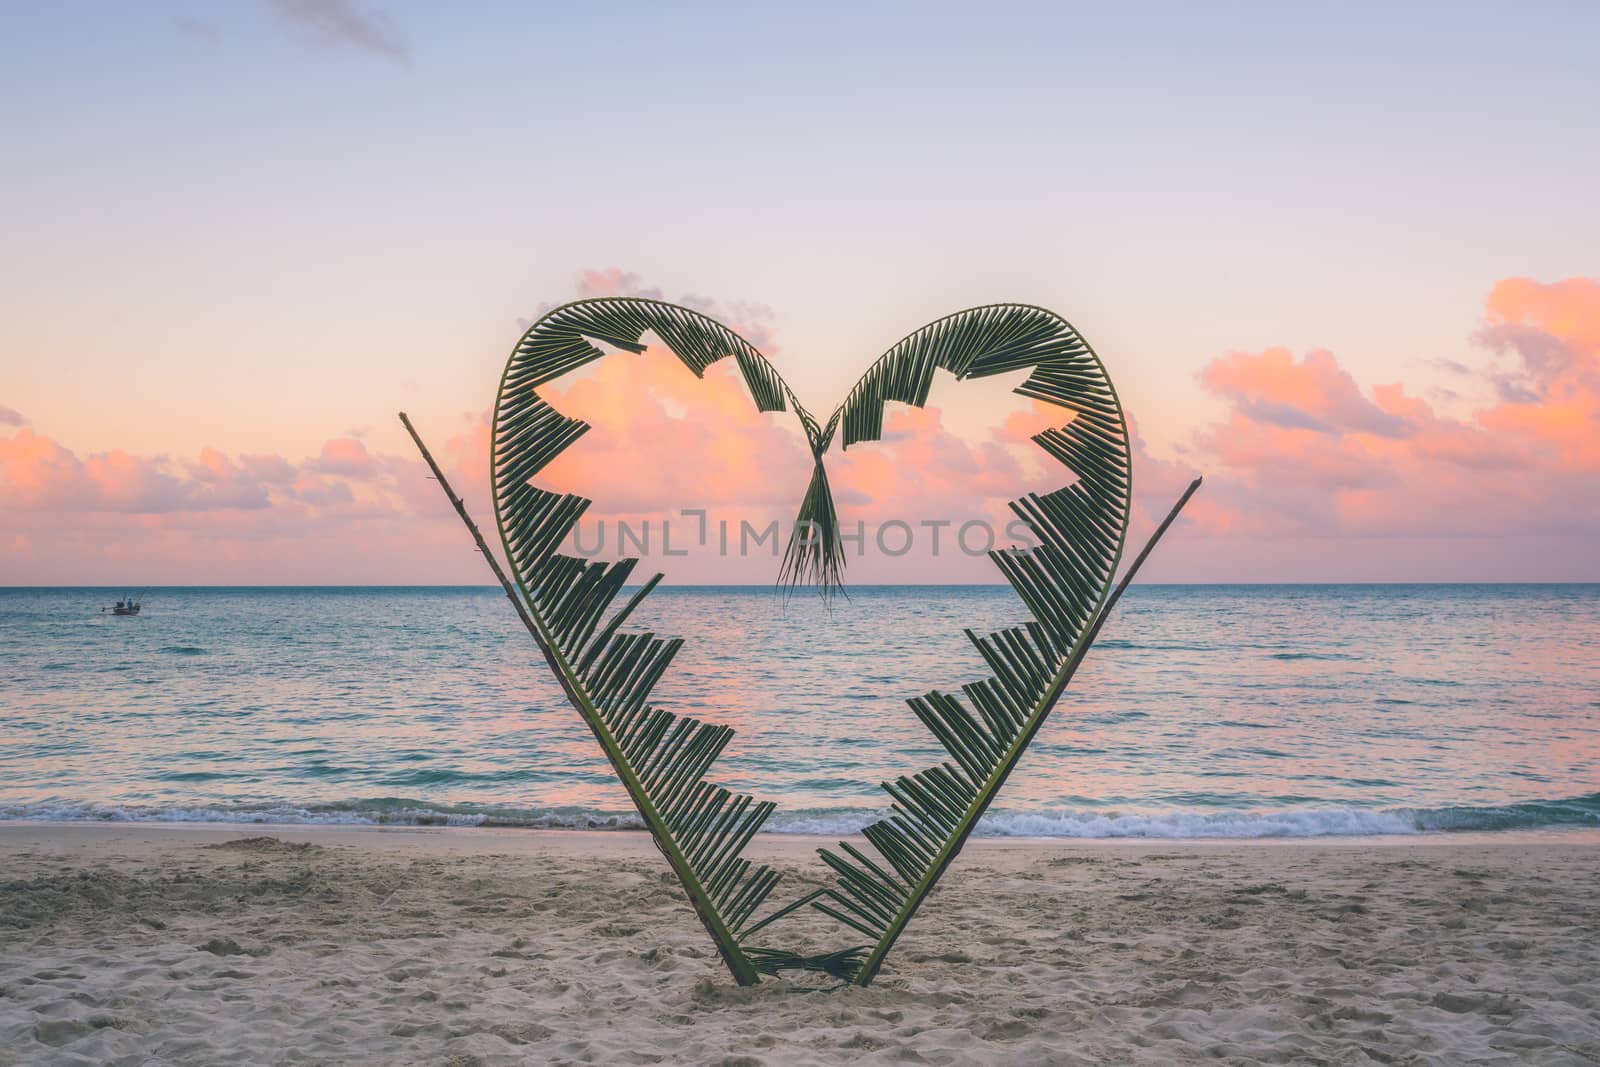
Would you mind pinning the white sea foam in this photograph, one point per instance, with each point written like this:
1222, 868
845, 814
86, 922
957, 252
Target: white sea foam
296, 816
1048, 823
1308, 822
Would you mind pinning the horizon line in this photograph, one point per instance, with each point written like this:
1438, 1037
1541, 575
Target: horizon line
125, 587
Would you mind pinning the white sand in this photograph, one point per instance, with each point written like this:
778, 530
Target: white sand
145, 944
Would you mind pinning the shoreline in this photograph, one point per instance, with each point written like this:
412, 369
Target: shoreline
1309, 821
1576, 836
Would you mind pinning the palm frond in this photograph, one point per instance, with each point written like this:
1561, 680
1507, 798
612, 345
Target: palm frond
1064, 581
607, 671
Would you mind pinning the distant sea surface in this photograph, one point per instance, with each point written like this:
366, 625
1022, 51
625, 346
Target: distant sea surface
1203, 711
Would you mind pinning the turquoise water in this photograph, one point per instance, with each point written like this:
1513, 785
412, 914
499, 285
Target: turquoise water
1239, 711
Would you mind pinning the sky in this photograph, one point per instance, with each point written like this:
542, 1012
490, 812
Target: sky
1342, 261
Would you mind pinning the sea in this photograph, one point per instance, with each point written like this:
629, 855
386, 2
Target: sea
1204, 711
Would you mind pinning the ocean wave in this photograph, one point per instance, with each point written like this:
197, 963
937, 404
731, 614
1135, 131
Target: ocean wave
1175, 824
1078, 823
1310, 821
354, 814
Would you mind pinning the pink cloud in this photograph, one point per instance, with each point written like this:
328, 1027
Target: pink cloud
346, 456
269, 469
751, 321
921, 469
111, 516
38, 474
612, 281
36, 471
1311, 394
1303, 450
1551, 393
662, 439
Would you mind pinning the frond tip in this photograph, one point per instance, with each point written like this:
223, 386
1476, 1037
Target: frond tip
815, 553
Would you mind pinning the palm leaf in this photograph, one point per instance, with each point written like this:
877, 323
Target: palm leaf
1065, 583
607, 671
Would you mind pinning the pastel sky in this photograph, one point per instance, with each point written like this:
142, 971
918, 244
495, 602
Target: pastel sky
1342, 261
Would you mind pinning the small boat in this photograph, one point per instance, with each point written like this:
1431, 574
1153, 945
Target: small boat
125, 606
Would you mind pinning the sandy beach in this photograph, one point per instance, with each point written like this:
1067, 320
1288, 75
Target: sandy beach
140, 944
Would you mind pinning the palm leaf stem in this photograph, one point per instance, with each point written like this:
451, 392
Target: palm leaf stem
477, 536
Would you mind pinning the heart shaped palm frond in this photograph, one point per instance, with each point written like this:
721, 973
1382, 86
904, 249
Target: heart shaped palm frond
1064, 581
661, 758
608, 674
